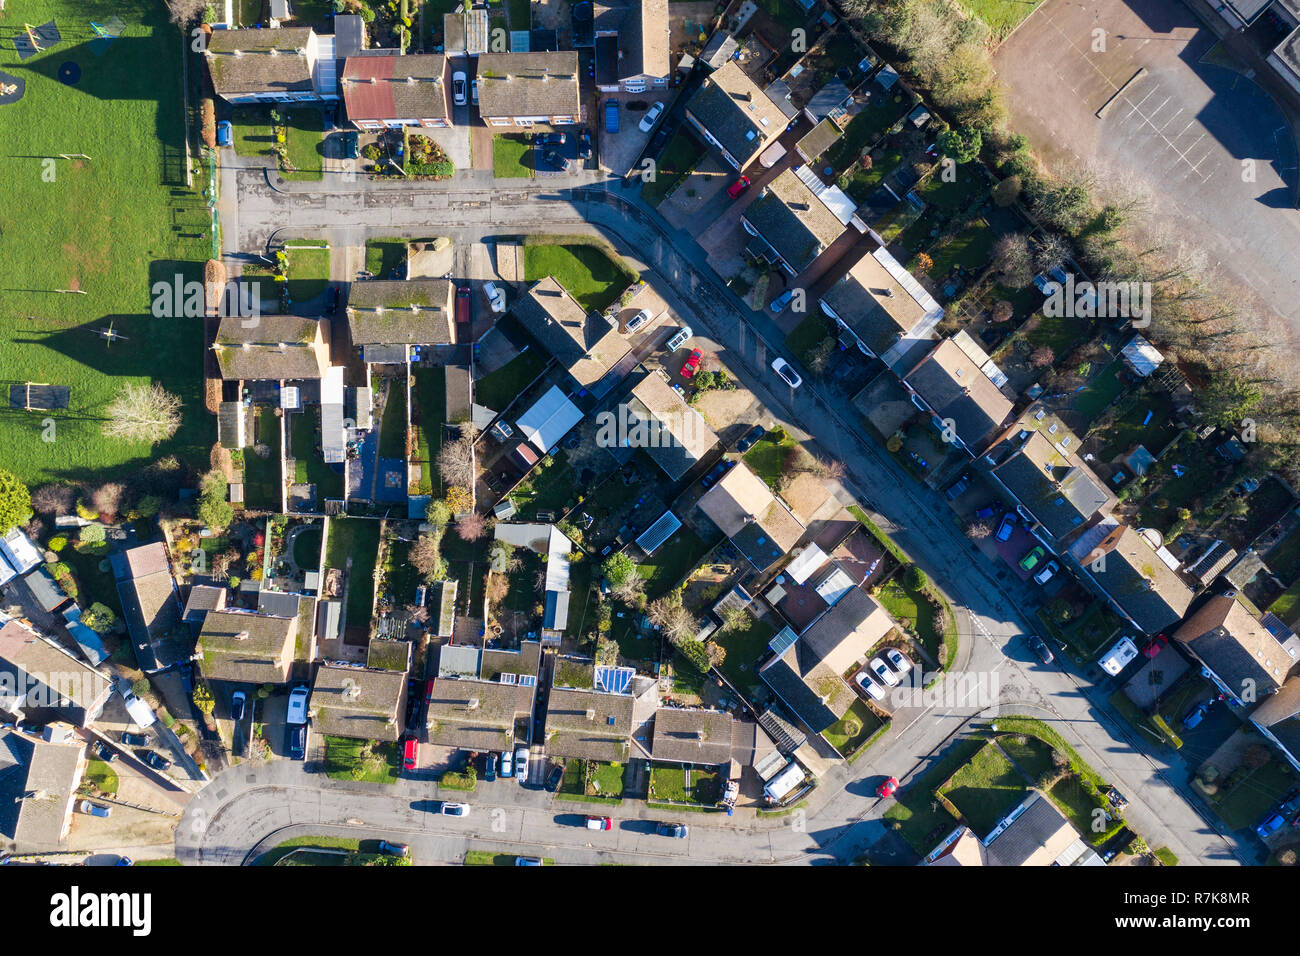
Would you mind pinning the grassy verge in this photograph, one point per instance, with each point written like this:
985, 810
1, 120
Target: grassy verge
488, 858
361, 760
587, 272
509, 154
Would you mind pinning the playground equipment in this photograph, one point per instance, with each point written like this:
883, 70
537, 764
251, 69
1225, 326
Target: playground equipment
110, 334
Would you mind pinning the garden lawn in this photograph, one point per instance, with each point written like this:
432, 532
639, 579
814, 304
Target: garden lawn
520, 14
509, 154
863, 182
392, 428
547, 487
908, 605
108, 226
306, 548
358, 539
767, 457
384, 255
1287, 605
809, 334
344, 759
251, 128
431, 405
969, 249
675, 163
1056, 332
864, 129
585, 271
306, 144
855, 728
488, 858
986, 789
309, 270
745, 649
1100, 392
674, 783
498, 389
1131, 427
101, 775
1002, 16
309, 466
922, 821
1245, 804
670, 563
262, 476
273, 856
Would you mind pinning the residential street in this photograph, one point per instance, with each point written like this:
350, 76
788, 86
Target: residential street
242, 806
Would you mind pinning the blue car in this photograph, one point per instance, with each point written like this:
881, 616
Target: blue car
225, 133
611, 116
1270, 825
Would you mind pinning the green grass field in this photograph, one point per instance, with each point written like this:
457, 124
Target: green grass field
309, 270
306, 144
358, 539
1002, 16
509, 155
585, 271
108, 226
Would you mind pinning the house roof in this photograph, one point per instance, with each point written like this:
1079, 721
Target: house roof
588, 724
683, 437
247, 647
1284, 705
47, 673
1230, 641
817, 694
1134, 576
747, 512
528, 84
395, 87
955, 387
37, 782
45, 589
259, 61
848, 630
1061, 494
642, 27
387, 654
793, 221
476, 714
203, 598
584, 343
874, 304
358, 702
701, 737
276, 347
737, 113
402, 311
150, 601
1036, 837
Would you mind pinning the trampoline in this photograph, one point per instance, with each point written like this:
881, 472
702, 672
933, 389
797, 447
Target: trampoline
32, 397
11, 88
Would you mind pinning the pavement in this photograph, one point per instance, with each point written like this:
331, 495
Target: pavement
994, 673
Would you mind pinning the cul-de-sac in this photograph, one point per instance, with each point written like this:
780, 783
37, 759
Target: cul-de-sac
651, 432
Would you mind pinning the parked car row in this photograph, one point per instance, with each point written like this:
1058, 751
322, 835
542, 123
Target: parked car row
877, 676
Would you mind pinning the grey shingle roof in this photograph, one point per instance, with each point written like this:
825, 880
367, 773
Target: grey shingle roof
733, 109
691, 736
401, 311
37, 782
1133, 575
793, 221
1062, 496
588, 725
476, 714
246, 647
274, 347
356, 702
807, 686
955, 388
29, 661
584, 343
267, 61
528, 84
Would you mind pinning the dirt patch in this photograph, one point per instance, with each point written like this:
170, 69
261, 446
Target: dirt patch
805, 496
724, 407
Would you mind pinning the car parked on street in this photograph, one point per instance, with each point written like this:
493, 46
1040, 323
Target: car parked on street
788, 374
887, 787
1040, 648
676, 830
154, 759
394, 849
652, 115
735, 190
599, 823
449, 809
692, 363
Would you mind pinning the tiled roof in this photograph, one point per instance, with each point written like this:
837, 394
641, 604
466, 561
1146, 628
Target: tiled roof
793, 221
1234, 644
402, 312
701, 737
1063, 496
259, 61
582, 342
956, 388
588, 724
275, 347
1134, 576
737, 113
873, 304
528, 84
358, 702
683, 437
395, 87
476, 714
246, 647
38, 780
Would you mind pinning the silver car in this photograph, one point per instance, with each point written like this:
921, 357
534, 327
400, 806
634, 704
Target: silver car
869, 687
788, 375
458, 93
639, 321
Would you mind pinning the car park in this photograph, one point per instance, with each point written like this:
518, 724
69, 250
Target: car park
93, 809
521, 764
297, 742
449, 809
680, 338
897, 661
638, 321
676, 830
496, 296
225, 133
788, 374
154, 759
237, 701
958, 487
739, 186
692, 363
134, 740
297, 712
394, 849
751, 436
1007, 526
781, 301
599, 823
887, 787
1040, 648
458, 88
611, 116
869, 686
410, 753
882, 672
1045, 575
1032, 558
652, 115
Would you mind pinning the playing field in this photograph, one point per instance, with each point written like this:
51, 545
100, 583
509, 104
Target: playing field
1002, 16
106, 227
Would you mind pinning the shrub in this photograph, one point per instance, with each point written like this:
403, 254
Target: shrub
915, 578
93, 534
58, 543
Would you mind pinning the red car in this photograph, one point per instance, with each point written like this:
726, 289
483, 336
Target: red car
887, 788
738, 187
410, 750
428, 690
692, 364
462, 304
1158, 643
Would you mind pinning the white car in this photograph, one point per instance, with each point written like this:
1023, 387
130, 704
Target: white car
869, 687
521, 764
1045, 575
297, 713
638, 321
897, 661
648, 121
449, 809
496, 296
788, 375
507, 764
680, 338
883, 673
458, 94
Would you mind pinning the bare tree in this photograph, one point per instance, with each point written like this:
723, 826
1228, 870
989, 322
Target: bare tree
185, 12
1042, 356
674, 620
143, 413
426, 557
107, 499
471, 527
977, 530
1011, 259
456, 461
1050, 252
54, 499
629, 589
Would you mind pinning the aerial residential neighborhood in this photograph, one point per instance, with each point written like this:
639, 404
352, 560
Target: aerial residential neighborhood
649, 432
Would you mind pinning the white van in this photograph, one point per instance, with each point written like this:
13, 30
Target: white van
1118, 657
680, 338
